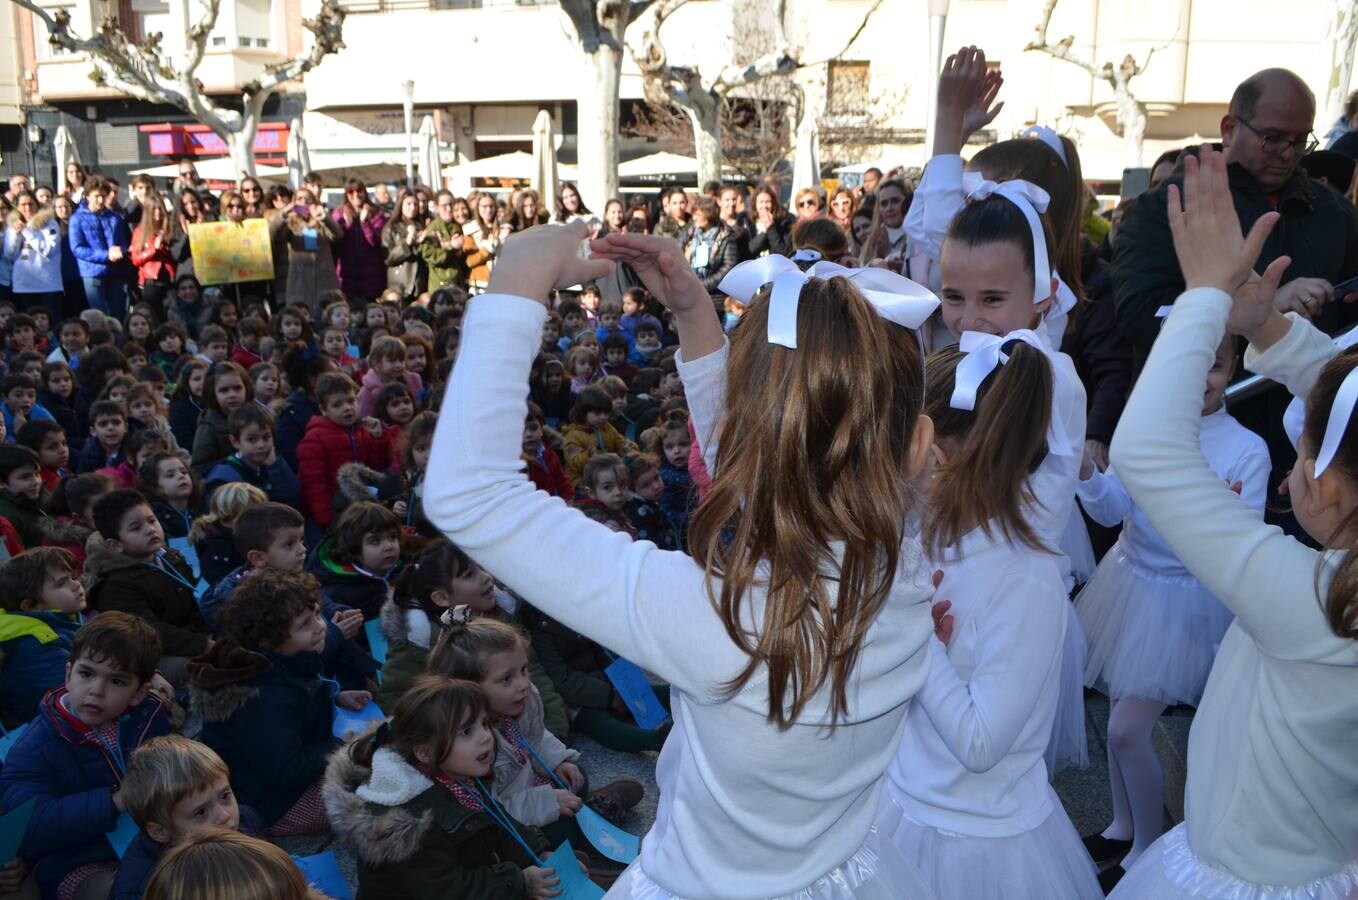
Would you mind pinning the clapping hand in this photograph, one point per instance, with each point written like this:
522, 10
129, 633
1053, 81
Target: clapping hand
943, 622
531, 263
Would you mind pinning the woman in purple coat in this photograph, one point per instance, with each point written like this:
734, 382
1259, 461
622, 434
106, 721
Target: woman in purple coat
361, 265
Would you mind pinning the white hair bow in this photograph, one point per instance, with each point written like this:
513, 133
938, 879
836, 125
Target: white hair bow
1031, 201
1341, 411
1051, 139
895, 297
984, 354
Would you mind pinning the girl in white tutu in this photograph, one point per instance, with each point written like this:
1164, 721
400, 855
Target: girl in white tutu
968, 799
1271, 806
1152, 628
796, 635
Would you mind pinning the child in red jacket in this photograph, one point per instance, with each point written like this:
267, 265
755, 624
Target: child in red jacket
544, 466
335, 437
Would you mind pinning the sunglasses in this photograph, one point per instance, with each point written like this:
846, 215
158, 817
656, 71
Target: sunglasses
808, 203
235, 206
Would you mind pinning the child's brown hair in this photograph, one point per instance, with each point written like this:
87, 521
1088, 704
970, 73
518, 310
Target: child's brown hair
164, 771
24, 576
331, 384
462, 648
386, 348
220, 864
216, 373
419, 431
356, 522
122, 640
430, 714
600, 464
260, 612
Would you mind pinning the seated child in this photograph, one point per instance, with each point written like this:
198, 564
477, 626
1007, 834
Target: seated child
226, 389
138, 447
551, 334
582, 365
168, 344
64, 760
552, 392
395, 406
573, 321
72, 520
644, 508
529, 760
675, 444
216, 863
135, 354
608, 321
186, 402
57, 396
336, 346
616, 389
167, 482
635, 312
214, 345
254, 459
589, 432
41, 602
250, 332
108, 428
129, 569
334, 438
303, 367
544, 466
212, 534
646, 347
48, 440
19, 403
72, 340
174, 789
146, 412
264, 704
386, 365
21, 492
604, 490
409, 801
616, 351
28, 365
23, 335
356, 563
265, 378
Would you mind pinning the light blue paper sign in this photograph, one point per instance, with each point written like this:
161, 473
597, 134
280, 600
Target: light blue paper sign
348, 722
122, 834
10, 738
637, 693
575, 885
186, 550
607, 838
377, 641
322, 872
12, 827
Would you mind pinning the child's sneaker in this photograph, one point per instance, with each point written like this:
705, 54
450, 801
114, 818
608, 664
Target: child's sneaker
613, 800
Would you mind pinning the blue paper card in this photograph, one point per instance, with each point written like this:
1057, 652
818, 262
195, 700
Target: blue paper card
637, 693
348, 722
122, 834
186, 550
607, 838
12, 827
322, 872
377, 641
11, 738
575, 884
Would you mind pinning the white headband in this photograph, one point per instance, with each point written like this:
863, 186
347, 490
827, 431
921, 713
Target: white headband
1031, 201
1341, 411
895, 297
1051, 139
984, 353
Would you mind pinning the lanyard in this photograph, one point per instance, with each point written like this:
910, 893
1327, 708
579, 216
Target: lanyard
502, 819
517, 736
170, 571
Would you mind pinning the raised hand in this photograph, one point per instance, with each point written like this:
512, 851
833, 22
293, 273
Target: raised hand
530, 263
660, 264
966, 99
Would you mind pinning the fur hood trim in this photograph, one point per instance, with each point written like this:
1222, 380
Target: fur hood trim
63, 531
355, 479
100, 561
406, 626
378, 832
217, 679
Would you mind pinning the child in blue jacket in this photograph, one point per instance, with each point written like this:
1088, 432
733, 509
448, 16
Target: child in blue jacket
71, 759
41, 601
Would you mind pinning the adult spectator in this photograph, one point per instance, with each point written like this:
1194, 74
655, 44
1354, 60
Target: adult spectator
382, 199
309, 238
72, 288
615, 217
362, 269
807, 204
728, 201
487, 233
18, 184
278, 196
445, 247
189, 179
843, 203
871, 178
772, 225
528, 211
252, 192
142, 186
401, 241
893, 202
710, 249
189, 212
674, 216
99, 239
33, 245
569, 204
75, 182
151, 252
1264, 136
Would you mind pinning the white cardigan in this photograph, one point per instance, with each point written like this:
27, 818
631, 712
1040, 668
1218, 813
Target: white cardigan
746, 811
1272, 793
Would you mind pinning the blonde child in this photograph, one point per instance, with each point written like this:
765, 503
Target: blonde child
221, 864
211, 534
386, 365
410, 800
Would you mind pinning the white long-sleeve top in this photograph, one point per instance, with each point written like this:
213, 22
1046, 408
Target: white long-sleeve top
746, 810
1272, 792
36, 255
1233, 452
973, 762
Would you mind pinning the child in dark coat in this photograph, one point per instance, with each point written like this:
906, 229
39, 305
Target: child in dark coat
41, 601
255, 461
356, 563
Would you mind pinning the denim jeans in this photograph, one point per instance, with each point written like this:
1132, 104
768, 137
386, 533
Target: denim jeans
108, 295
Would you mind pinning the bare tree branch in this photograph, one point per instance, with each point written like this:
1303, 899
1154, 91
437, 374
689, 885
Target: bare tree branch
853, 38
1061, 49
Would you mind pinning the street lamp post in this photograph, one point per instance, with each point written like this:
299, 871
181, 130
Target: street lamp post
409, 88
938, 19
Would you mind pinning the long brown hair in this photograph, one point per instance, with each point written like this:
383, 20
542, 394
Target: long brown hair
996, 447
1031, 160
148, 229
1341, 600
811, 454
429, 714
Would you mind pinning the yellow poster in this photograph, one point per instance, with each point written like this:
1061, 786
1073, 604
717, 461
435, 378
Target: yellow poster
231, 252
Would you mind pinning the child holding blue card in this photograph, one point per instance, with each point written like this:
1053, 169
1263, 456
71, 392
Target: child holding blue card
267, 708
410, 800
72, 757
531, 765
42, 604
174, 789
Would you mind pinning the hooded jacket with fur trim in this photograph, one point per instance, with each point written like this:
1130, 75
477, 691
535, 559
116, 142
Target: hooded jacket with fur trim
414, 840
163, 600
68, 534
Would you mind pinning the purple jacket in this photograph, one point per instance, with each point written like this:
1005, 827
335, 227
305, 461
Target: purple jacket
361, 263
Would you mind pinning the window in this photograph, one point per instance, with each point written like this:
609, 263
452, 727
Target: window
846, 91
218, 41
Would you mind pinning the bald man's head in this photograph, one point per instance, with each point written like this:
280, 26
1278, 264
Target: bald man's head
1268, 125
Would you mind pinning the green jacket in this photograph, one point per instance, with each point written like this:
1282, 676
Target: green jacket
574, 663
25, 514
451, 266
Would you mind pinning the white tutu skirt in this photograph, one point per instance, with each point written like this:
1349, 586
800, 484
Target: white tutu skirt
1045, 863
876, 872
1149, 635
1077, 547
1169, 870
1069, 747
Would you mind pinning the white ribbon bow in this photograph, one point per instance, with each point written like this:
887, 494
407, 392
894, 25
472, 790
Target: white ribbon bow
1051, 139
895, 297
1341, 411
984, 353
1031, 201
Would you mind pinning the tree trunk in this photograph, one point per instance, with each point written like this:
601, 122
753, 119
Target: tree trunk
241, 145
1132, 118
1341, 62
706, 141
597, 127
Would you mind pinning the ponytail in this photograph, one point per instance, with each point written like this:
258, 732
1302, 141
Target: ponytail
996, 447
430, 713
465, 643
433, 569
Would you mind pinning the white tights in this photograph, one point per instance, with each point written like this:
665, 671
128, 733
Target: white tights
1135, 775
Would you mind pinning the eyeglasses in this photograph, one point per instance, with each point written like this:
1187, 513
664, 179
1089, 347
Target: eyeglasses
808, 202
250, 191
1277, 145
235, 206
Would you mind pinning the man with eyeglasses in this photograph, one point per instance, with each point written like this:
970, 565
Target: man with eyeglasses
1264, 135
445, 247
